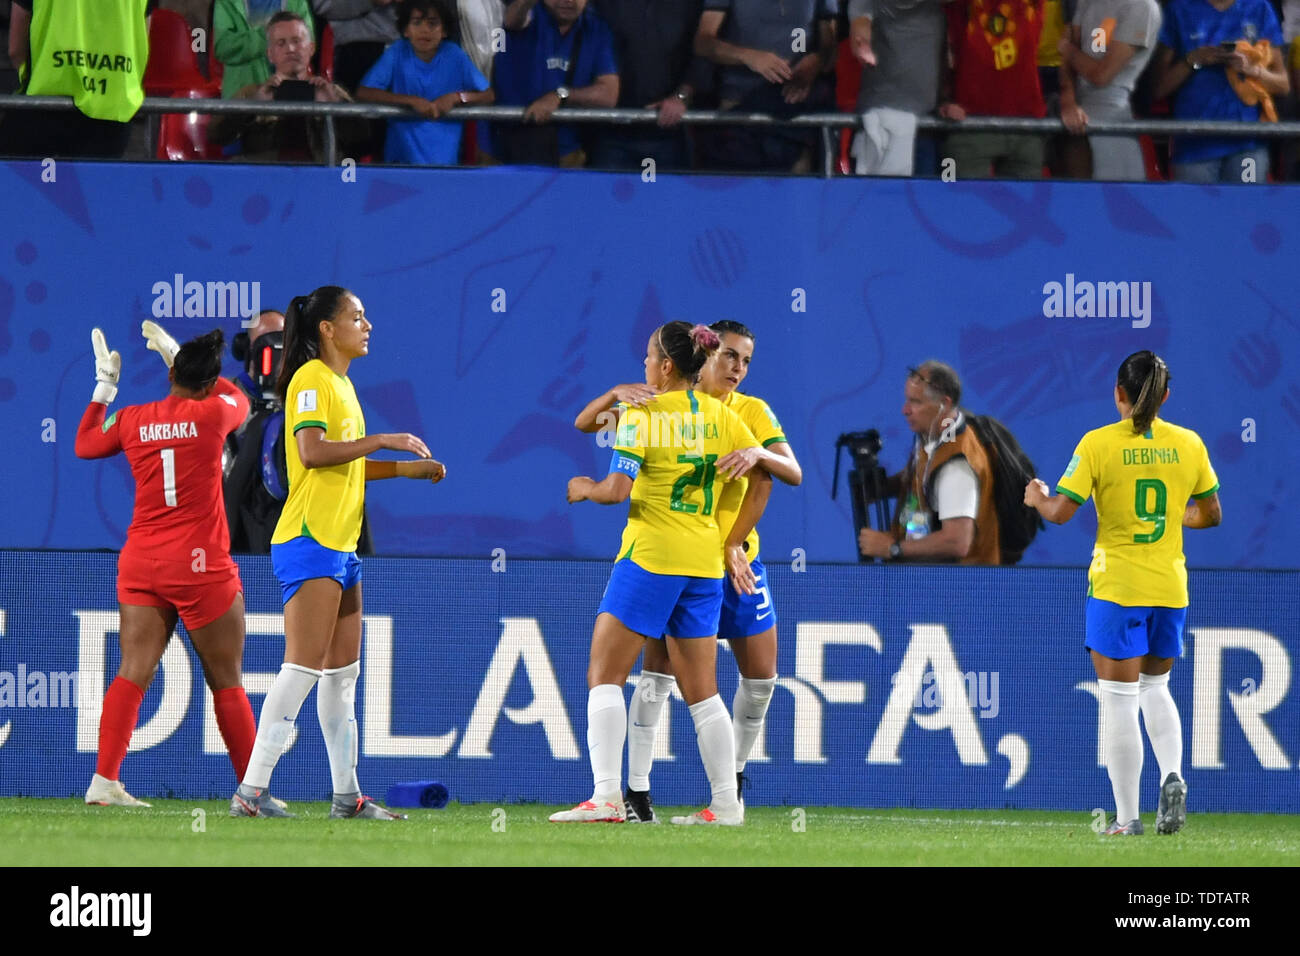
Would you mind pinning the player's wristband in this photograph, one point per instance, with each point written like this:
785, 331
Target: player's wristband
104, 393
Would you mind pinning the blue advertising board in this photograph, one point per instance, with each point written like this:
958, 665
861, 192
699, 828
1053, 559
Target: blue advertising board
898, 687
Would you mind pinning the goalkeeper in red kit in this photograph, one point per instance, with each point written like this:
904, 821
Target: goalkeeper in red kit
176, 561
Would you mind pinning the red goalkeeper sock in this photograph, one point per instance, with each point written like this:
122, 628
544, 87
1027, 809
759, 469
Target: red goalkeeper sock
237, 726
116, 724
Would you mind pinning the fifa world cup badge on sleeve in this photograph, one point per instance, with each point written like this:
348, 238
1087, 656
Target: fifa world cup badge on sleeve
307, 400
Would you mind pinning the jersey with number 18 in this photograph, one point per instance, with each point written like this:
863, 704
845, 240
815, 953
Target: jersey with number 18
670, 449
1140, 484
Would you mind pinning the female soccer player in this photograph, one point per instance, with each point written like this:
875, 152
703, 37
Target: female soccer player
667, 583
748, 622
1137, 585
176, 560
313, 549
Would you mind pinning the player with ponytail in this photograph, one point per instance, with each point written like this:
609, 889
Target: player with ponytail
667, 582
176, 560
313, 549
748, 621
1138, 470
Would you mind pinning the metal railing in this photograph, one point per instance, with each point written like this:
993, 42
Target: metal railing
825, 122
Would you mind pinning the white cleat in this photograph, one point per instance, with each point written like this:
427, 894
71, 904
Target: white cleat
589, 812
709, 817
110, 793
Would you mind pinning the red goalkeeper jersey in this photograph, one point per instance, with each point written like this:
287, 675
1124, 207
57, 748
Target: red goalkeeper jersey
174, 448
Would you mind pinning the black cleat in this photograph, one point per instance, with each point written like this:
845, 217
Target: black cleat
741, 783
639, 807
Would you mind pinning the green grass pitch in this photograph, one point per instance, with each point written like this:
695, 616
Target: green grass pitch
68, 833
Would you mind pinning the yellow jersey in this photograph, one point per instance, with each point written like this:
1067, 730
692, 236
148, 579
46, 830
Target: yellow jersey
324, 504
669, 449
758, 418
1140, 485
1054, 27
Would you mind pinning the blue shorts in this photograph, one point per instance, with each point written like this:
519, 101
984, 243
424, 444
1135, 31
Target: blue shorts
744, 615
1120, 632
657, 604
303, 559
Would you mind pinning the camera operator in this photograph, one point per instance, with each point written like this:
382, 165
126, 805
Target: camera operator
256, 480
946, 509
256, 475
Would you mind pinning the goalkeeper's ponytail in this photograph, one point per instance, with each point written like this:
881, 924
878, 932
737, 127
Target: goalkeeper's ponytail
302, 330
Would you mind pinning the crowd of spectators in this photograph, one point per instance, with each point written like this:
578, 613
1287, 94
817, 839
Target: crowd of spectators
1078, 61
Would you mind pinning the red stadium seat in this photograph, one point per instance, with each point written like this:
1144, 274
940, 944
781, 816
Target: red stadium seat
184, 136
327, 53
1149, 159
173, 66
848, 80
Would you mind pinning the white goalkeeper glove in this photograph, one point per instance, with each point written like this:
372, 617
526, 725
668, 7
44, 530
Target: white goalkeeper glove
160, 341
108, 368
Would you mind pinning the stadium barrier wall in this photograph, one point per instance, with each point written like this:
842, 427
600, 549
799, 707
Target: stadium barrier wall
899, 687
504, 299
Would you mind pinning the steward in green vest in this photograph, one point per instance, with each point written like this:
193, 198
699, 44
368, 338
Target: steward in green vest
93, 51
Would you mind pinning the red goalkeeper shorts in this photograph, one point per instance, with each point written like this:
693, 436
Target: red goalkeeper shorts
199, 597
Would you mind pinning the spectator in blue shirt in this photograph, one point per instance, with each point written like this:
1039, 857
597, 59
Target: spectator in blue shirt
1192, 64
427, 72
534, 71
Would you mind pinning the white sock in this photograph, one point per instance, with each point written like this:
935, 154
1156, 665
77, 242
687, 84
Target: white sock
606, 730
336, 705
652, 692
1164, 729
1122, 744
717, 750
279, 711
748, 712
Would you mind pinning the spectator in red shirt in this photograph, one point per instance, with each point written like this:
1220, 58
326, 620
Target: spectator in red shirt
994, 46
176, 560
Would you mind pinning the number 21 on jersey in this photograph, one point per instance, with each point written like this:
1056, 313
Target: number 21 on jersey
702, 474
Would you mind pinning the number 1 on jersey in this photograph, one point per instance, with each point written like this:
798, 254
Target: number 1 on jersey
169, 476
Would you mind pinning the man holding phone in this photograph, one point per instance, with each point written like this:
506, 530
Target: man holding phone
1198, 48
289, 47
